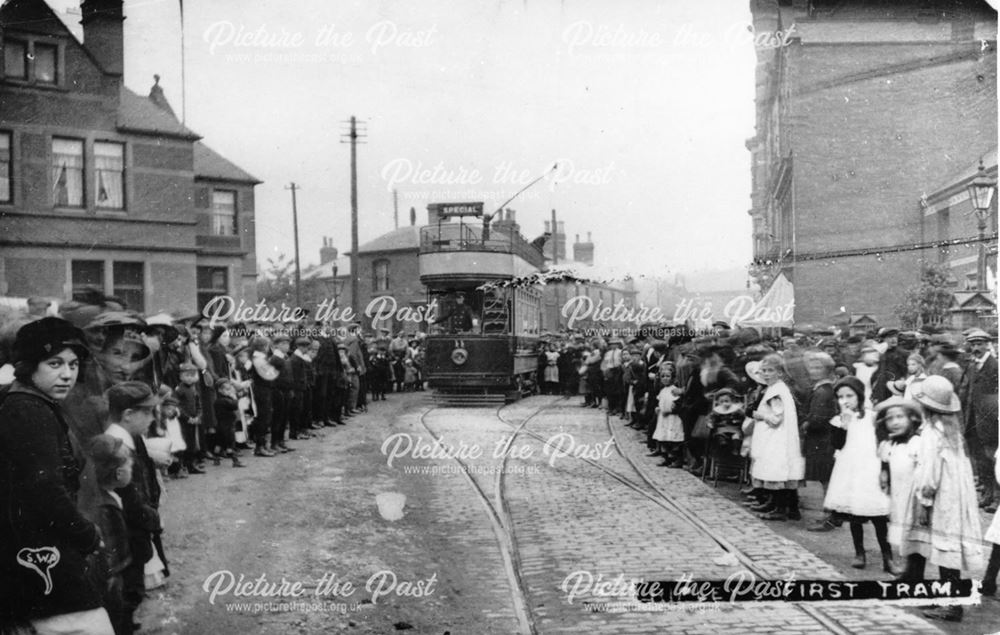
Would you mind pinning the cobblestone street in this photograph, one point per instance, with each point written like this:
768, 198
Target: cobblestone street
519, 537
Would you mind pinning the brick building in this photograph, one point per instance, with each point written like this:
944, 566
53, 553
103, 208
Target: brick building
865, 109
103, 188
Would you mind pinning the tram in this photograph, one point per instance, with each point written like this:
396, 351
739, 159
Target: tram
482, 342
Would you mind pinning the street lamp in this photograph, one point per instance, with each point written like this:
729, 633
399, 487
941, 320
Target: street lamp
333, 285
981, 190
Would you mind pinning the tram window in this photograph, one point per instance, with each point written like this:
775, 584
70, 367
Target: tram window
459, 311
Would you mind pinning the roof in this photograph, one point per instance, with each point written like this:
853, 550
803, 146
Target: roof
397, 240
139, 114
319, 272
211, 165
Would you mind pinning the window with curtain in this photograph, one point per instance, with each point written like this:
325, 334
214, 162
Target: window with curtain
15, 59
67, 172
109, 174
381, 275
223, 213
128, 279
46, 56
5, 168
87, 274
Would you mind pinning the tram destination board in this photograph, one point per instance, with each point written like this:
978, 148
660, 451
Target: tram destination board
446, 210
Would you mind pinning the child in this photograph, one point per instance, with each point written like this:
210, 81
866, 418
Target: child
901, 419
865, 369
226, 411
111, 463
409, 375
634, 377
725, 429
171, 423
189, 402
130, 413
942, 515
855, 484
669, 433
916, 371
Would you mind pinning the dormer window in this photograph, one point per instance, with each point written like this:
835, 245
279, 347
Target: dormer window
34, 61
46, 63
15, 59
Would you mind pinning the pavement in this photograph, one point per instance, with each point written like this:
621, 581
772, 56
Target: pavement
573, 534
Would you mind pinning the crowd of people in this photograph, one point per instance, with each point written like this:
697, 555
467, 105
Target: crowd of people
899, 428
100, 406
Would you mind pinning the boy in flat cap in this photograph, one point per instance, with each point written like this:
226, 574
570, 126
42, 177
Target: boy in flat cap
131, 406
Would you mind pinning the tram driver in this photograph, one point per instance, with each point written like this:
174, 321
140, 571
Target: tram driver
458, 318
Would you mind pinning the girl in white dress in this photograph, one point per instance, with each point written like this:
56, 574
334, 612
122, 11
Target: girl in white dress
669, 433
855, 490
901, 418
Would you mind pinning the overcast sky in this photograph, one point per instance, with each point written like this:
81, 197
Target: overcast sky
645, 105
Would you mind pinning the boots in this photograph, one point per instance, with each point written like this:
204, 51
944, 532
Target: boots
989, 586
192, 468
860, 561
237, 462
889, 565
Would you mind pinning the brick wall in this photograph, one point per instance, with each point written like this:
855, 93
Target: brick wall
871, 130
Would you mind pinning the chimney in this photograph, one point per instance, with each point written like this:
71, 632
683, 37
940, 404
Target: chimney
158, 98
583, 252
103, 33
413, 216
507, 224
327, 253
557, 241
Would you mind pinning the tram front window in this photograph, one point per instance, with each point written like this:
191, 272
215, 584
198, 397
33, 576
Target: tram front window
458, 312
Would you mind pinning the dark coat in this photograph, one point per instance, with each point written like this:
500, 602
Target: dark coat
978, 394
39, 480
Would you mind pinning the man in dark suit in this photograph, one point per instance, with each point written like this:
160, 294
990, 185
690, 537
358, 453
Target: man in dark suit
978, 393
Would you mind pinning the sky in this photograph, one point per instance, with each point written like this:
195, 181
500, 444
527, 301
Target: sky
644, 106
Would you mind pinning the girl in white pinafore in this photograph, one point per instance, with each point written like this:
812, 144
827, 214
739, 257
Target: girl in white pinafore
855, 489
669, 432
901, 418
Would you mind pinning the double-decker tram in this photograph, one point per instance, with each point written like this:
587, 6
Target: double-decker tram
482, 341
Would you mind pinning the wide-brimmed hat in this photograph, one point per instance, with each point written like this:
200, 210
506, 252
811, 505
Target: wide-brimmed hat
752, 370
897, 401
938, 394
897, 387
726, 390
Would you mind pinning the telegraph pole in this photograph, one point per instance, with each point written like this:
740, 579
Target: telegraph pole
352, 137
295, 228
395, 208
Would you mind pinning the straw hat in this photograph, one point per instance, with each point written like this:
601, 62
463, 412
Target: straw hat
936, 393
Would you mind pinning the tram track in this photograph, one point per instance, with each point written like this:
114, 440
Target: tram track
664, 500
501, 519
498, 513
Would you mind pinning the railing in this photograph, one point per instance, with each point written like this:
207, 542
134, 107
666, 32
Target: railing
445, 237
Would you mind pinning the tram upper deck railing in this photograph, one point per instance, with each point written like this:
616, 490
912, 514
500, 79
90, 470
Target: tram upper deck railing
445, 237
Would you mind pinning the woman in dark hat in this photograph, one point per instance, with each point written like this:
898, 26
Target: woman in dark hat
40, 526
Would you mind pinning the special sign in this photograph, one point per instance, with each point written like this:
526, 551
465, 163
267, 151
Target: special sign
444, 210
